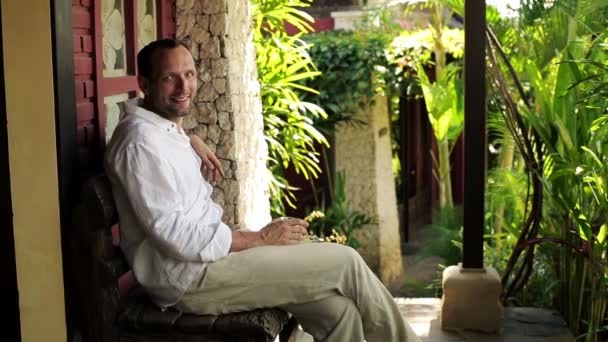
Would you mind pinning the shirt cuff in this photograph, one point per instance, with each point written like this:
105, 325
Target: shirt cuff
219, 246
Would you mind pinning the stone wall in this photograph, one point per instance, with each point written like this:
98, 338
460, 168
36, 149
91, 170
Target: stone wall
364, 154
227, 110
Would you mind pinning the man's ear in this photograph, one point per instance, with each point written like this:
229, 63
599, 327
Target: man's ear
143, 84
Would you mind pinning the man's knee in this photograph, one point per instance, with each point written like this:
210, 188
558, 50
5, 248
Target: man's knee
350, 255
342, 251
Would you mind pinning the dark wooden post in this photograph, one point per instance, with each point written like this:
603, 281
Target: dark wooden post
65, 126
475, 133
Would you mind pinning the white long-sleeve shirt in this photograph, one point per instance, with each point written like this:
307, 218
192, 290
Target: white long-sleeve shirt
170, 227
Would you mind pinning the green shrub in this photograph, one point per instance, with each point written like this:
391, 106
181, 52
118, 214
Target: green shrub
339, 221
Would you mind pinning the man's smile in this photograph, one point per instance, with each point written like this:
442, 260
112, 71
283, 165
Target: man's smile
180, 98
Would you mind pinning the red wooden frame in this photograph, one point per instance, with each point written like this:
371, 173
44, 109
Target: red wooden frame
125, 84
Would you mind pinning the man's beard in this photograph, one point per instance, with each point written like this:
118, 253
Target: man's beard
168, 110
171, 111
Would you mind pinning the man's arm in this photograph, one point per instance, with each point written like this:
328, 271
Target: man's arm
212, 168
283, 231
147, 180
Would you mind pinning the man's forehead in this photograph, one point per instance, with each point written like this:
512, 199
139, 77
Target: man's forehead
176, 58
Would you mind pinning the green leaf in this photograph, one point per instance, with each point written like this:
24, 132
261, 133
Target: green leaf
601, 235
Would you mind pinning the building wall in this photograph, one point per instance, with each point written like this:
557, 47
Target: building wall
28, 71
90, 144
84, 81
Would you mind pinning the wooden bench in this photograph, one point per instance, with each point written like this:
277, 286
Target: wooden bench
111, 307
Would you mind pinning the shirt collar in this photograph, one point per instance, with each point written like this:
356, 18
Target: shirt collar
135, 106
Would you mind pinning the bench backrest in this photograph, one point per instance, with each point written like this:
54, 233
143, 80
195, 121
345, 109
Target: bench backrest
97, 260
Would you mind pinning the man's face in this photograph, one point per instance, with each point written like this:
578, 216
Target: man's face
172, 85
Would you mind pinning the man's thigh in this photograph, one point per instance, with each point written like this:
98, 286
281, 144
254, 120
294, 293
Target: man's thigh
270, 276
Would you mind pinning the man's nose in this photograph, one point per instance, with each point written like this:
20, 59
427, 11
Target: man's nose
181, 82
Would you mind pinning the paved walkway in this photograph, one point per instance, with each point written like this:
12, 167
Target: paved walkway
519, 324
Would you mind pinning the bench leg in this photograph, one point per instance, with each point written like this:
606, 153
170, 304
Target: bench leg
288, 334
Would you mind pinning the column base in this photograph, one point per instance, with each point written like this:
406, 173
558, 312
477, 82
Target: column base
471, 299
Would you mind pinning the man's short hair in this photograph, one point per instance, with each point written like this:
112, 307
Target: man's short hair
145, 63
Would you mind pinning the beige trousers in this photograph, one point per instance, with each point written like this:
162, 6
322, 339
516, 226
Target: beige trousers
327, 287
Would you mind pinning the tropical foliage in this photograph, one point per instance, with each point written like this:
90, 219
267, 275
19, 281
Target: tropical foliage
549, 71
283, 62
339, 221
547, 194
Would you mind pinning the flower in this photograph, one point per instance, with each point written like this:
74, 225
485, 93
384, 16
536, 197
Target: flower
314, 215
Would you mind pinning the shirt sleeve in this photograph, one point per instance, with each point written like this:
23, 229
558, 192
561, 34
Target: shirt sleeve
148, 182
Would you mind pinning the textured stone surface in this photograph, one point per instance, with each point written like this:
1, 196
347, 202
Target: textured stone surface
250, 150
204, 71
214, 133
201, 132
214, 6
218, 196
207, 93
206, 113
227, 147
199, 35
224, 120
219, 84
227, 113
224, 103
364, 155
189, 122
219, 67
210, 47
203, 21
218, 25
186, 23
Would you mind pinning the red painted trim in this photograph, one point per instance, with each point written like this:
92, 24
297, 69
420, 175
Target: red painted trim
81, 18
119, 85
162, 8
97, 87
86, 111
319, 25
101, 115
131, 42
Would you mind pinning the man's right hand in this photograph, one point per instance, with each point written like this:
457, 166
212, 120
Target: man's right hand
284, 231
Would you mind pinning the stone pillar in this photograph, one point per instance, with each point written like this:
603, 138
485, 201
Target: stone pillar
364, 154
227, 110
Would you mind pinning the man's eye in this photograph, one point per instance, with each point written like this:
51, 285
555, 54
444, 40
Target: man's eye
169, 78
189, 75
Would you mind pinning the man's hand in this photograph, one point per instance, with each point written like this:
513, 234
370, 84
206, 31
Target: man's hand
284, 231
212, 168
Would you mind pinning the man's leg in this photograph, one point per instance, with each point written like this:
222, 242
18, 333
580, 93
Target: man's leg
286, 275
335, 318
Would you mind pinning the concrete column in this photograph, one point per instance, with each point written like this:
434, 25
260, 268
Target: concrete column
364, 154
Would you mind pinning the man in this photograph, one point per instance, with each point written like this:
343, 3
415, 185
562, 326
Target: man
185, 256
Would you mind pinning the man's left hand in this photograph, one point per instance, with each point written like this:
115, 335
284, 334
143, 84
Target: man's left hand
212, 167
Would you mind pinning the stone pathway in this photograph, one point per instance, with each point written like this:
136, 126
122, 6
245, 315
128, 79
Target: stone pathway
519, 324
421, 309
